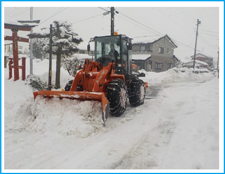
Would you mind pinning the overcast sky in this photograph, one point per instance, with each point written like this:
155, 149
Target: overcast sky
140, 23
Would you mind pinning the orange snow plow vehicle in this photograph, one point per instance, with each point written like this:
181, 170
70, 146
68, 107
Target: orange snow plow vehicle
108, 79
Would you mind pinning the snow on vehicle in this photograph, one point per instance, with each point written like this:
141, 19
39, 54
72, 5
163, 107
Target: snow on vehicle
108, 79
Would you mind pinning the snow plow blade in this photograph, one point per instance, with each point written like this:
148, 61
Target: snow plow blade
79, 95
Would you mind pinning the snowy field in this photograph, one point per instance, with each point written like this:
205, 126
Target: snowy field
176, 128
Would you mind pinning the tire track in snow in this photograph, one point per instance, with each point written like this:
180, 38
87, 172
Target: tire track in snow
150, 150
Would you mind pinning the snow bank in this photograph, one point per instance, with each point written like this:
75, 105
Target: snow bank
195, 141
62, 116
65, 116
174, 75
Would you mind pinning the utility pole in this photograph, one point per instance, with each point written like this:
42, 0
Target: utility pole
31, 45
112, 21
50, 60
218, 63
112, 11
58, 59
198, 22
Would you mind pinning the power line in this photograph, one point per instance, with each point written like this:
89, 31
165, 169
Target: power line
103, 9
189, 15
208, 43
158, 32
56, 13
174, 21
21, 12
86, 19
182, 43
140, 23
185, 13
209, 31
136, 24
204, 25
15, 11
209, 34
51, 16
181, 51
180, 17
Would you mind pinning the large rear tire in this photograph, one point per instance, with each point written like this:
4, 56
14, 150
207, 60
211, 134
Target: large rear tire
117, 96
137, 93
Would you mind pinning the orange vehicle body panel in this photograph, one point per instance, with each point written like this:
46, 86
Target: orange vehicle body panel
146, 84
94, 78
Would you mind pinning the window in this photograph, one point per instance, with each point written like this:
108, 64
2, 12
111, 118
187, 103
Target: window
143, 48
103, 46
170, 65
124, 54
161, 50
158, 65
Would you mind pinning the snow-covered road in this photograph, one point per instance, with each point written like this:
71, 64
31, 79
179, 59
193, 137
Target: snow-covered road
176, 128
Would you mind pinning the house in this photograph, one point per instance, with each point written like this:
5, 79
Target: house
198, 64
142, 61
204, 58
159, 54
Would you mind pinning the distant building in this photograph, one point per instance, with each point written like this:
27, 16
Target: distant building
204, 58
142, 61
198, 64
157, 55
82, 51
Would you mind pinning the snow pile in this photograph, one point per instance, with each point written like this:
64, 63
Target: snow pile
174, 75
62, 116
36, 83
65, 116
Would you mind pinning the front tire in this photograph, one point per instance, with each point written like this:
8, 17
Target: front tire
137, 93
117, 96
68, 85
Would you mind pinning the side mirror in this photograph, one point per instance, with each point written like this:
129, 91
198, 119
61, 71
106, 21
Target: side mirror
88, 47
129, 47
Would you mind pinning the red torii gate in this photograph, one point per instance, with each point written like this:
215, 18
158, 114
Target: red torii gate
15, 28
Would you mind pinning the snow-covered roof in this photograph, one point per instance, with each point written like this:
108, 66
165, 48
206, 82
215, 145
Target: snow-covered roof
197, 62
152, 39
144, 40
14, 22
140, 56
201, 62
202, 55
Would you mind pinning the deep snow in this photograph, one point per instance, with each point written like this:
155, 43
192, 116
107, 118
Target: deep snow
176, 128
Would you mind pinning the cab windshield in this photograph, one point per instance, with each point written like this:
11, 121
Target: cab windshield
107, 48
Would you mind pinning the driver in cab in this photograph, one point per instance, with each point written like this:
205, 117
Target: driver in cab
113, 52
